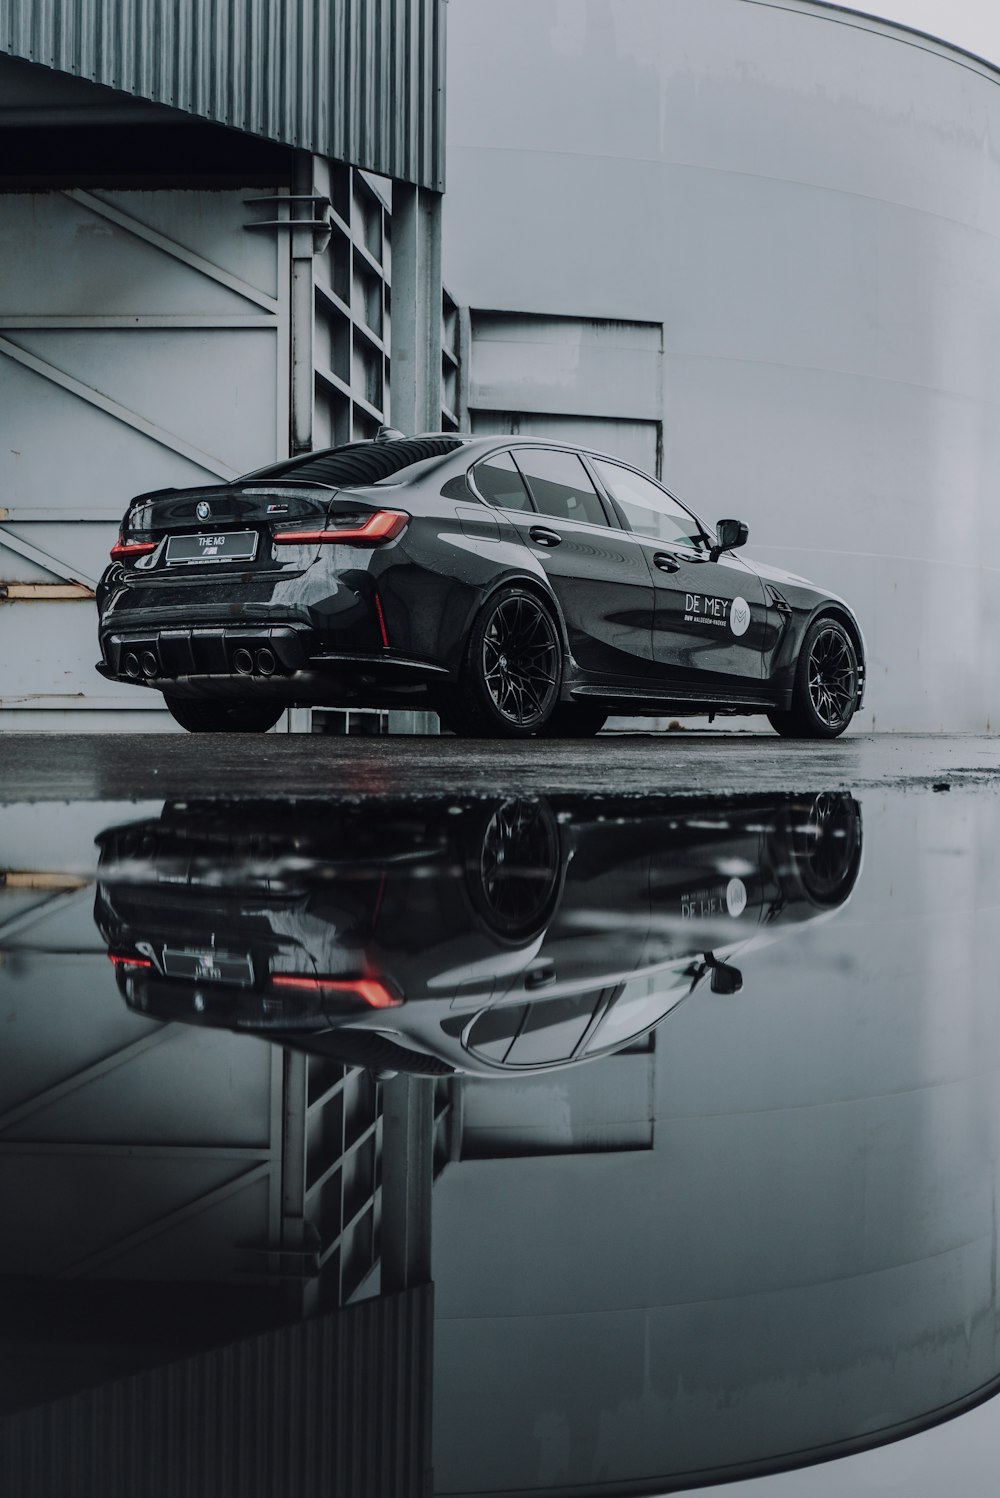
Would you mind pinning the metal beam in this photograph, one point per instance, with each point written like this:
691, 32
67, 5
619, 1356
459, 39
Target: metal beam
121, 413
416, 309
246, 1154
25, 919
93, 1073
293, 1149
212, 1198
42, 558
127, 321
46, 593
407, 1177
303, 315
172, 248
315, 1187
52, 881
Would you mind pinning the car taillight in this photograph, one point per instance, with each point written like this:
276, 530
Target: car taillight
381, 525
121, 959
371, 991
123, 548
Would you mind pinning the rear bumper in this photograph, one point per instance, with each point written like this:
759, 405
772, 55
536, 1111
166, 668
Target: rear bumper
283, 663
214, 650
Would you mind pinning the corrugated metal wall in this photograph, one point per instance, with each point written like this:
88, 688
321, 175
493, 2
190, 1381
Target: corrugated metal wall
357, 80
338, 1407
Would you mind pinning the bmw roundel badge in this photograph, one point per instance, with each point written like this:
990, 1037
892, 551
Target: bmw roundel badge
204, 509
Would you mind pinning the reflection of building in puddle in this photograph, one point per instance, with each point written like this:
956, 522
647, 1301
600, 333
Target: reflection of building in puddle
736, 1233
202, 1189
185, 1211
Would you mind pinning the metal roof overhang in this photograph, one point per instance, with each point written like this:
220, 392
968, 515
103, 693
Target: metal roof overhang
360, 81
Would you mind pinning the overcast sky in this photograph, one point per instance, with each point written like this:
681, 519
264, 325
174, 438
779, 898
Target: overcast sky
973, 24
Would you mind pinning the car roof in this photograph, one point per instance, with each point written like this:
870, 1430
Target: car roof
487, 440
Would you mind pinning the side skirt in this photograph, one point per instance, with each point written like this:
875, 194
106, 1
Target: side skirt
641, 701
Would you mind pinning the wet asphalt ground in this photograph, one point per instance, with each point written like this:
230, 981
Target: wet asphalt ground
89, 767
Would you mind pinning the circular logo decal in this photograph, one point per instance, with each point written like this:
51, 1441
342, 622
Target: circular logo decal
204, 509
739, 616
736, 897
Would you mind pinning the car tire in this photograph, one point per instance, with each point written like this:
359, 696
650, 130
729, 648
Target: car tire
826, 685
512, 670
574, 720
820, 847
223, 717
514, 868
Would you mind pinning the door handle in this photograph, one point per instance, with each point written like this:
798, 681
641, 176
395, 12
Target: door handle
665, 562
540, 977
544, 537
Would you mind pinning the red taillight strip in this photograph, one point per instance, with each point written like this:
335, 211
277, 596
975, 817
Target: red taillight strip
131, 549
382, 525
120, 960
372, 991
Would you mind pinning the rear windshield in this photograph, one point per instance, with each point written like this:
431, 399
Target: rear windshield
357, 464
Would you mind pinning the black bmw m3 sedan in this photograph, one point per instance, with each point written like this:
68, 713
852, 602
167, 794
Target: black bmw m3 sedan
515, 585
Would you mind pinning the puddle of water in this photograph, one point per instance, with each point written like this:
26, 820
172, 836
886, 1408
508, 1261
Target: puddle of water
614, 1147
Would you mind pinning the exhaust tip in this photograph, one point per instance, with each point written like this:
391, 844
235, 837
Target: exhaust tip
130, 664
242, 662
149, 663
266, 662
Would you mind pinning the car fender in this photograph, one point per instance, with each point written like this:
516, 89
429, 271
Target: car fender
806, 607
534, 582
836, 608
505, 566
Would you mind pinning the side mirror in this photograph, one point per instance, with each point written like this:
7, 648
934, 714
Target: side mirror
729, 535
726, 979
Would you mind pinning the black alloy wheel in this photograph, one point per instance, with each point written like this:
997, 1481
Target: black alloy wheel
199, 716
513, 667
823, 844
514, 868
826, 685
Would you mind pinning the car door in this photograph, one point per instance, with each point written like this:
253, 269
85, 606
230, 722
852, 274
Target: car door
710, 616
596, 568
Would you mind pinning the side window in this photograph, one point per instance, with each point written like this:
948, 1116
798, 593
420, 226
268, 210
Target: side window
494, 1030
648, 509
552, 1030
560, 485
498, 481
539, 1034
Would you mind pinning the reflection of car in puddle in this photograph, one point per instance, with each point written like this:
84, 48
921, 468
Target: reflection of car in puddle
492, 937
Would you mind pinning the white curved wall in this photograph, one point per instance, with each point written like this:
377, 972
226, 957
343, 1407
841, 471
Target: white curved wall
972, 24
809, 201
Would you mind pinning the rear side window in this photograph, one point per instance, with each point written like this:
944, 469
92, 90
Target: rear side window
560, 485
498, 480
357, 464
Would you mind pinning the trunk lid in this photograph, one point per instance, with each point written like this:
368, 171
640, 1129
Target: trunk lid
228, 507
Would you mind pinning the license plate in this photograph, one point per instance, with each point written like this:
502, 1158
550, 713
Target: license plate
208, 967
227, 546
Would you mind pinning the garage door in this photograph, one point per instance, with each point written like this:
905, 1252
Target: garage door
143, 343
577, 379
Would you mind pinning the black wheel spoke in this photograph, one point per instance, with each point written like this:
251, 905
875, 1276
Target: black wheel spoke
520, 660
831, 677
519, 865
